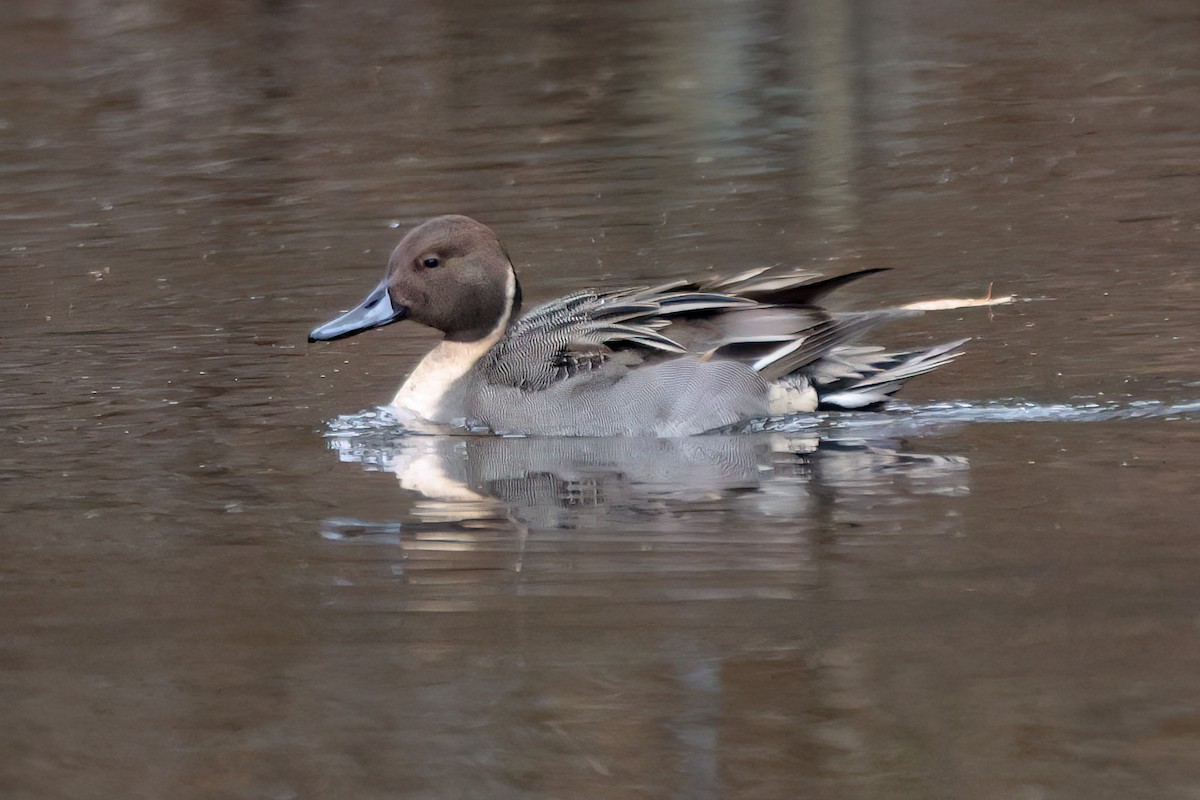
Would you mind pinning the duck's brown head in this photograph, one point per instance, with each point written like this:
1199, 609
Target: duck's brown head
450, 273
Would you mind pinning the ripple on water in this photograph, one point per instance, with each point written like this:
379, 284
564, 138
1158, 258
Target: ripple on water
899, 417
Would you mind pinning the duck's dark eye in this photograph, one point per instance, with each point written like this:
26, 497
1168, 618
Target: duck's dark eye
430, 262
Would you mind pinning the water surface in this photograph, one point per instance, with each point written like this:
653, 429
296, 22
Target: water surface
990, 592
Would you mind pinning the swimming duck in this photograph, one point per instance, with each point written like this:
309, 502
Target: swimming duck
676, 359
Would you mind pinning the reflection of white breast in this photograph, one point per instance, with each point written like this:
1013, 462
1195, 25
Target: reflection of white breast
425, 473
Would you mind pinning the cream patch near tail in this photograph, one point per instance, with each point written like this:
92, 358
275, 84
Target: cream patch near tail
791, 397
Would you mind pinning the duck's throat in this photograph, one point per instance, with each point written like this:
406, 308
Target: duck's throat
430, 390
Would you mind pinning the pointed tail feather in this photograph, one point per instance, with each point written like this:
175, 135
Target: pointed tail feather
821, 340
882, 376
804, 293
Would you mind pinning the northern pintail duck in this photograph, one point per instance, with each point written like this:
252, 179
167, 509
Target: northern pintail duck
676, 359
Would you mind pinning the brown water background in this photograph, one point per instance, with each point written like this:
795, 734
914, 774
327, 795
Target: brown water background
200, 599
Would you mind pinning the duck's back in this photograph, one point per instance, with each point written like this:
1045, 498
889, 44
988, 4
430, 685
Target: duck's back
671, 360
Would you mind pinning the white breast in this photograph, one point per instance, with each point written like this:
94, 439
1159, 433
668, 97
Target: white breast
424, 389
423, 392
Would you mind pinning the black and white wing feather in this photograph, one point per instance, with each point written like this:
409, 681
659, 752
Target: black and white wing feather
766, 321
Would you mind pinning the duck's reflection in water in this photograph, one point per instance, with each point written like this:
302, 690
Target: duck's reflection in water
473, 484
